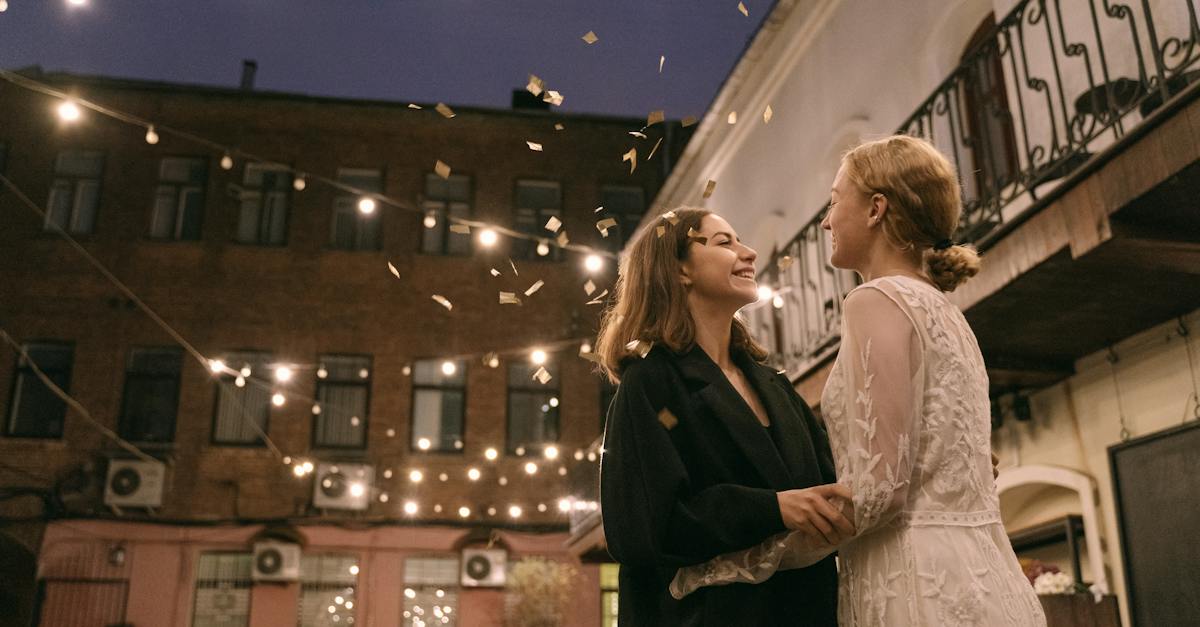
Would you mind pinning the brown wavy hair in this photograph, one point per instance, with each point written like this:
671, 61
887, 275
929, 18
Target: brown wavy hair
650, 301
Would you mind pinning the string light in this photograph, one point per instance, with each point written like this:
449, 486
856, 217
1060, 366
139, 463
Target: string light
543, 249
245, 371
387, 474
299, 183
443, 477
503, 480
551, 452
538, 357
278, 400
491, 454
777, 302
356, 489
216, 366
564, 505
416, 476
366, 206
491, 511
240, 381
593, 263
316, 409
473, 474
531, 468
554, 403
298, 470
308, 466
77, 3
3, 6
151, 136
765, 292
354, 569
283, 374
322, 372
226, 162
464, 511
410, 507
430, 220
514, 511
69, 111
424, 444
383, 497
488, 237
448, 368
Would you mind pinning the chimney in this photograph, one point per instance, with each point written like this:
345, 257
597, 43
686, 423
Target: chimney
249, 67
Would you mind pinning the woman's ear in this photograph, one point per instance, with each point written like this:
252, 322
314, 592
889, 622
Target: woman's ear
879, 207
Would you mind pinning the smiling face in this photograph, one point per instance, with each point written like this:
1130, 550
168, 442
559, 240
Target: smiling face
720, 270
849, 222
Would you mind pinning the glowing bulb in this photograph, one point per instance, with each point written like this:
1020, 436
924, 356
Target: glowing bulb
562, 471
538, 357
491, 454
440, 593
151, 136
464, 511
543, 249
350, 606
443, 477
383, 498
591, 457
491, 511
424, 444
69, 111
356, 489
514, 511
77, 3
410, 593
416, 476
226, 162
765, 292
579, 455
520, 450
3, 6
366, 206
430, 220
298, 470
299, 183
391, 433
777, 302
554, 401
564, 505
493, 362
586, 347
216, 366
407, 370
410, 507
354, 569
593, 263
240, 382
364, 373
488, 237
283, 374
387, 473
278, 399
473, 474
448, 368
316, 409
530, 468
322, 372
245, 371
503, 481
551, 452
541, 507
308, 467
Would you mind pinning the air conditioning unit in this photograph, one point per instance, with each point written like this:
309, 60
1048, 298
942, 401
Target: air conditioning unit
343, 486
276, 561
134, 483
483, 568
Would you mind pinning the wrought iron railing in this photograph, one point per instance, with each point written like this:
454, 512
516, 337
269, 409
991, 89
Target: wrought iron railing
1055, 82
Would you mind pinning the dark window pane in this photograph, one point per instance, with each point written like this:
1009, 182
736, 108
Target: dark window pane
151, 397
35, 411
343, 395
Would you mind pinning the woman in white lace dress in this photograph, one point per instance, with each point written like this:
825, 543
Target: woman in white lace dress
907, 410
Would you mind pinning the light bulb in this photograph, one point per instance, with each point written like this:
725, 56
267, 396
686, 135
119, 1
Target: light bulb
448, 368
564, 505
356, 489
278, 399
765, 292
226, 162
777, 302
151, 136
531, 468
416, 476
366, 206
424, 444
410, 507
543, 249
473, 474
69, 111
538, 357
283, 374
383, 498
491, 454
299, 183
464, 511
216, 365
514, 511
488, 237
593, 263
551, 452
430, 220
240, 382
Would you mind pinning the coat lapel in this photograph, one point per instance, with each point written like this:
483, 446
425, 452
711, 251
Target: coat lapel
716, 392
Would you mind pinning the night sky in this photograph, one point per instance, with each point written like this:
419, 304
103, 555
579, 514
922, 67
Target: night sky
464, 52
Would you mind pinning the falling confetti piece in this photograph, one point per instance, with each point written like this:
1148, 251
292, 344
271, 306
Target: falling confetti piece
589, 287
661, 60
660, 230
655, 117
441, 169
413, 106
695, 236
534, 146
782, 372
667, 419
598, 209
542, 375
688, 121
671, 217
785, 262
562, 239
536, 85
509, 298
742, 8
495, 272
514, 267
537, 285
590, 38
638, 134
631, 157
553, 224
654, 149
604, 225
598, 299
559, 126
767, 115
553, 98
460, 228
732, 119
640, 347
446, 111
443, 301
709, 187
393, 269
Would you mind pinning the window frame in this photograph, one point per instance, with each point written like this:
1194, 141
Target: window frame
247, 584
531, 386
180, 191
123, 425
412, 432
74, 181
527, 250
365, 418
263, 358
259, 195
19, 371
445, 236
343, 199
626, 222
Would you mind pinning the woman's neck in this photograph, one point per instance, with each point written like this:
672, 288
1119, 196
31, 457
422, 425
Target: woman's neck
713, 333
889, 261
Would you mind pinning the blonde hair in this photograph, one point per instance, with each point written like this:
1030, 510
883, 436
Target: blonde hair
924, 202
650, 301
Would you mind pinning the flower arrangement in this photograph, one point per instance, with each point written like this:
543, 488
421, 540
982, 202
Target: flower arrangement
1048, 579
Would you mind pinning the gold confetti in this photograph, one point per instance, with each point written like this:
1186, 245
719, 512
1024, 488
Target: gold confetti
709, 187
413, 106
638, 134
631, 157
599, 298
655, 117
514, 267
782, 372
441, 169
534, 146
553, 98
604, 225
542, 375
767, 115
732, 119
640, 347
562, 239
660, 230
742, 8
393, 270
671, 217
661, 60
553, 224
536, 85
509, 298
462, 229
654, 149
559, 126
495, 272
589, 287
535, 287
598, 209
590, 38
695, 236
446, 111
688, 121
443, 301
784, 262
667, 419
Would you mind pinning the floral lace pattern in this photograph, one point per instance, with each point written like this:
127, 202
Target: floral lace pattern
908, 415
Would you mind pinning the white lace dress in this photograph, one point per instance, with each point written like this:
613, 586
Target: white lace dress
907, 410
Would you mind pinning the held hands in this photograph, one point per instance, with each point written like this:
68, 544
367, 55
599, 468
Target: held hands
817, 513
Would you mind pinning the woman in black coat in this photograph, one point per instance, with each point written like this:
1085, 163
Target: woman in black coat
706, 450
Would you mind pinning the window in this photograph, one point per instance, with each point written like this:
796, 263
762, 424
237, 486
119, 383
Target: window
352, 229
438, 403
433, 582
626, 205
532, 407
75, 193
608, 594
238, 409
35, 411
151, 395
179, 198
264, 214
537, 201
446, 197
222, 590
343, 394
327, 590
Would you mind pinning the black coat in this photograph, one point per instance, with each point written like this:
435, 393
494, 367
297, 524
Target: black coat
681, 486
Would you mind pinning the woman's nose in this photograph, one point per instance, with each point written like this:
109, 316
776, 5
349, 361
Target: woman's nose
825, 223
749, 254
